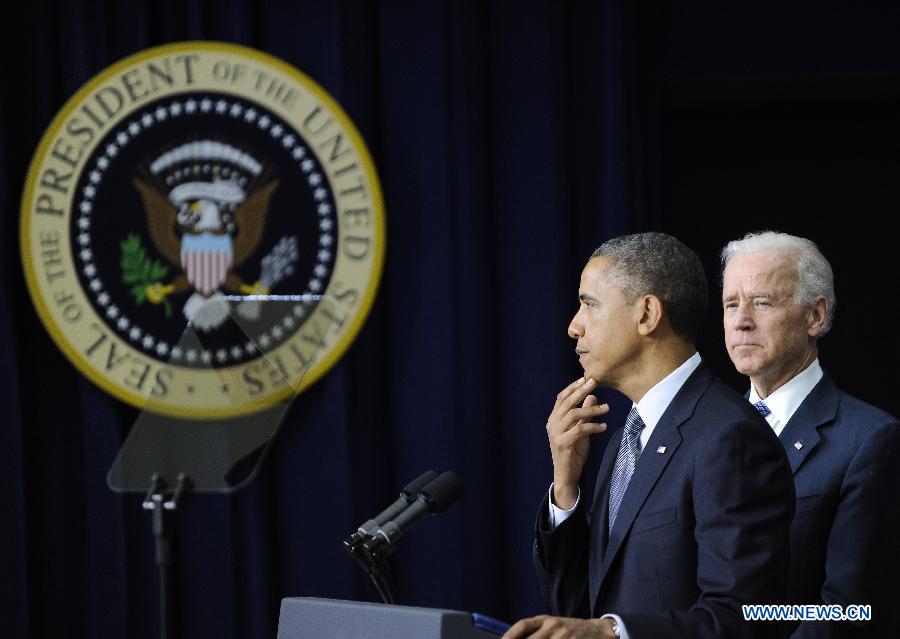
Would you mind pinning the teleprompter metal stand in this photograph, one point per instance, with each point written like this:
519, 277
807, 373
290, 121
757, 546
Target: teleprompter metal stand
163, 505
175, 456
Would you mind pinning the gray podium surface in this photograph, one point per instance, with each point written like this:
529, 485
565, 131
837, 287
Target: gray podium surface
312, 618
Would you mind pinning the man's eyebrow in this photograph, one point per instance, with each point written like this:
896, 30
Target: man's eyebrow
584, 297
752, 295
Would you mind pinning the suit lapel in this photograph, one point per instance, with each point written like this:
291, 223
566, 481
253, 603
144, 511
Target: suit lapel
649, 467
801, 435
599, 531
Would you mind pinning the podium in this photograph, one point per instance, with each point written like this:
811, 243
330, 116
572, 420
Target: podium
312, 618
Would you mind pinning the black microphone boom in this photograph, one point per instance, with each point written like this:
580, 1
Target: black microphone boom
434, 498
407, 496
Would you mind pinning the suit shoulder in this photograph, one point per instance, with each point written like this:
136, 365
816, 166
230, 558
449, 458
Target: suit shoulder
721, 413
850, 406
723, 401
858, 421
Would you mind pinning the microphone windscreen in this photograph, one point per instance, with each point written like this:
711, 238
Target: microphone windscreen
442, 491
413, 488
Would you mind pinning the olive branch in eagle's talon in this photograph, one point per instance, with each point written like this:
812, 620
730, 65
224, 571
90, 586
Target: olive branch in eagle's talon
144, 274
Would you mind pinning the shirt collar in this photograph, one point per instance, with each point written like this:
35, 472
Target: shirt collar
787, 399
656, 400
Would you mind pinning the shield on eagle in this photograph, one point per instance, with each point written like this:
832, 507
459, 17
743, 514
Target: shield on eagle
206, 259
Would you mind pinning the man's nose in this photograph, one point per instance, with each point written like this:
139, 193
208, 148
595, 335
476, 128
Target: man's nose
575, 328
743, 319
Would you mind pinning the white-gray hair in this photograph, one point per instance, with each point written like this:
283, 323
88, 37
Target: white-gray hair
814, 275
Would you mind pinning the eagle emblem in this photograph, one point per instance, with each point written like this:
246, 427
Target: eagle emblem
206, 204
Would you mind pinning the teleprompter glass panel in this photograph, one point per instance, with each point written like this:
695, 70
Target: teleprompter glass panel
222, 453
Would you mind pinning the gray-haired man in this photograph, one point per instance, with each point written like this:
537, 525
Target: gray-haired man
778, 300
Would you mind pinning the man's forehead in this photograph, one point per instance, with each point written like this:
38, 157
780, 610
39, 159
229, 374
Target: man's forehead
596, 265
600, 281
762, 272
768, 265
595, 272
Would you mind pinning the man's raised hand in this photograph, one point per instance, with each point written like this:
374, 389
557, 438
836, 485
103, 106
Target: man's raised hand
569, 429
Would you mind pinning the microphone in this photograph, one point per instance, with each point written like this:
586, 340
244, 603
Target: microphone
407, 496
438, 495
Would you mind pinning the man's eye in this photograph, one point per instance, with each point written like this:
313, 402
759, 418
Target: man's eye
762, 304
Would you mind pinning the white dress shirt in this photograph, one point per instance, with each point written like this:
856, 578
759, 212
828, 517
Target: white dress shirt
787, 399
651, 408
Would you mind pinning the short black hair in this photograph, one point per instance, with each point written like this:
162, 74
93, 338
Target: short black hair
659, 264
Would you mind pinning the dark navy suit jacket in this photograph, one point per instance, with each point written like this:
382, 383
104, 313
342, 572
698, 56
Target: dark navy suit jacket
702, 529
844, 537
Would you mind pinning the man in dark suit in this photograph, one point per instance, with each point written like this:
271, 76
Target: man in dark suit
778, 299
693, 500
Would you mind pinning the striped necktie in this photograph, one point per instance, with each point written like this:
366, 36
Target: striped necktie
629, 450
762, 408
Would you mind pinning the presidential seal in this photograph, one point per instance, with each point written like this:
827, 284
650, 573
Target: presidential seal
202, 230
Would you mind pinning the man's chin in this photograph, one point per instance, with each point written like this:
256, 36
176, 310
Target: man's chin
746, 368
744, 365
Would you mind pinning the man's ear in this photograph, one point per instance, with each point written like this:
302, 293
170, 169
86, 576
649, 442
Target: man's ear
816, 317
652, 313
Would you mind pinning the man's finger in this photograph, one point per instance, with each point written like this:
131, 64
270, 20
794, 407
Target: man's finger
568, 390
575, 397
523, 628
579, 415
574, 416
579, 431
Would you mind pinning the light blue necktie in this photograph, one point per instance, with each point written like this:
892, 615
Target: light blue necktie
629, 450
762, 408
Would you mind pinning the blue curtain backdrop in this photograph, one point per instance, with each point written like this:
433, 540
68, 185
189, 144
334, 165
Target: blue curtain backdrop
511, 138
490, 126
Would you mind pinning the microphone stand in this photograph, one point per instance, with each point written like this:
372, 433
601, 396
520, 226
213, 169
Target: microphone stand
380, 572
162, 502
375, 564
